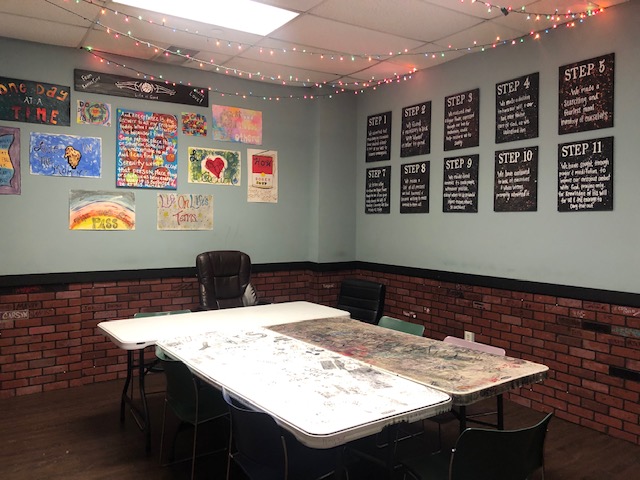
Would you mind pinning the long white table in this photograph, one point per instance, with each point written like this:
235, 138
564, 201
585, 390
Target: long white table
323, 398
135, 334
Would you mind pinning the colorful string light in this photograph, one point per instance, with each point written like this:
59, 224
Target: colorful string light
557, 19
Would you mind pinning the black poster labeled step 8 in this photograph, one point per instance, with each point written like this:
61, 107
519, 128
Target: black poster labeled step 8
585, 175
414, 188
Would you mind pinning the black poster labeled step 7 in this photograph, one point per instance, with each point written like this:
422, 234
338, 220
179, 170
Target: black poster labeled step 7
377, 190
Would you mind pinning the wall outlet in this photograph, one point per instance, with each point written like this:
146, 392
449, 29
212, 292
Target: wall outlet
469, 336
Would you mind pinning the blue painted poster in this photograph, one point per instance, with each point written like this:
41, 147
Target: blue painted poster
65, 155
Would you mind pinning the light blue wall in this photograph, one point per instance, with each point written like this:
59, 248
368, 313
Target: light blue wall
311, 148
589, 249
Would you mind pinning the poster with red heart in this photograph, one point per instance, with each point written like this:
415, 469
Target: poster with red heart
217, 167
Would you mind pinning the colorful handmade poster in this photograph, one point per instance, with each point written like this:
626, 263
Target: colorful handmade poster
94, 113
220, 167
146, 150
9, 161
262, 174
58, 155
185, 211
34, 102
100, 210
194, 124
232, 124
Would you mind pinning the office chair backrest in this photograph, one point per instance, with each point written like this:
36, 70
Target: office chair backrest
363, 299
483, 454
401, 325
224, 276
260, 448
481, 347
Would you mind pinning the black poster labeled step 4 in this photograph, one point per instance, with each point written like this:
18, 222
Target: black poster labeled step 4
460, 189
414, 188
415, 137
377, 190
516, 180
585, 175
517, 108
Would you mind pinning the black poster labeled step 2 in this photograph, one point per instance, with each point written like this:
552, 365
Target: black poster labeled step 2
516, 180
585, 175
378, 137
586, 95
517, 108
377, 190
414, 188
462, 120
415, 137
460, 189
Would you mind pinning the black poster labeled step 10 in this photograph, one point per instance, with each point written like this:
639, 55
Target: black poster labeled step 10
378, 137
516, 181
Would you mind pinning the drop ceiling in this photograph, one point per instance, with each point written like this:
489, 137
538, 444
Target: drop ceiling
348, 43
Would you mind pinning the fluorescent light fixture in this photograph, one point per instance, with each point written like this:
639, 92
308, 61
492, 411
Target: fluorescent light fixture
244, 15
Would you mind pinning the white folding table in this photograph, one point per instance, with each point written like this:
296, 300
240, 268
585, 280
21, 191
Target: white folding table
135, 334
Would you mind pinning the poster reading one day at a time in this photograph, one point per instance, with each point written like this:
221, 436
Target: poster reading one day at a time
34, 102
146, 150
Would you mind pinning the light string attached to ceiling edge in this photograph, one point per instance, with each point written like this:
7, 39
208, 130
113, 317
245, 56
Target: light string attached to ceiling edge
338, 86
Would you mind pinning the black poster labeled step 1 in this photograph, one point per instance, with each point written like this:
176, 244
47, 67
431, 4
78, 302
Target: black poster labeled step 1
414, 188
516, 180
586, 95
377, 190
378, 137
415, 137
585, 175
460, 188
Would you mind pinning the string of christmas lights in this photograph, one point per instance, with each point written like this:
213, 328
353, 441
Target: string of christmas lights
566, 19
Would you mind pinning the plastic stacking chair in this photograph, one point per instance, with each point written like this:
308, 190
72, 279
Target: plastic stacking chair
485, 454
363, 299
264, 451
192, 402
401, 325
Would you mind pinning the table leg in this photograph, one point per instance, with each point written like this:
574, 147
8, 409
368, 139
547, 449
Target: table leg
462, 409
125, 397
500, 413
140, 413
146, 425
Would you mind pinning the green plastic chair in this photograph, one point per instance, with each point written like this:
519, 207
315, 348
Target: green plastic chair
401, 325
485, 454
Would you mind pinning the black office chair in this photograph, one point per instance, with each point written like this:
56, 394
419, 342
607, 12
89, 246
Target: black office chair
225, 279
193, 403
363, 299
264, 451
483, 454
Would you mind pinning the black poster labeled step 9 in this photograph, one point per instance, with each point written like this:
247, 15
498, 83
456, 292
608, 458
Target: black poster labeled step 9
414, 188
516, 181
378, 137
377, 190
460, 189
585, 175
586, 95
415, 138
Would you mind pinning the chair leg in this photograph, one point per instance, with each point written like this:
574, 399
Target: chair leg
164, 419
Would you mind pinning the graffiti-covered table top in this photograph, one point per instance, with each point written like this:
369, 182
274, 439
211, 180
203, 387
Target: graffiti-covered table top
323, 398
466, 375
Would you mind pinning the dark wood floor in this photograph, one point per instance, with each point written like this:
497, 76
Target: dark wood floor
76, 434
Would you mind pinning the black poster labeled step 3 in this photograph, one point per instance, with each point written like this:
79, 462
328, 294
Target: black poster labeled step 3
462, 120
585, 175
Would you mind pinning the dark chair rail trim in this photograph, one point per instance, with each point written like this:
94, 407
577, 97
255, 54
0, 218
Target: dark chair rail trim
8, 283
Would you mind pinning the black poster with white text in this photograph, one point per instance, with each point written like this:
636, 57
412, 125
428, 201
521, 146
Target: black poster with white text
415, 137
377, 190
517, 108
460, 185
378, 137
462, 120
